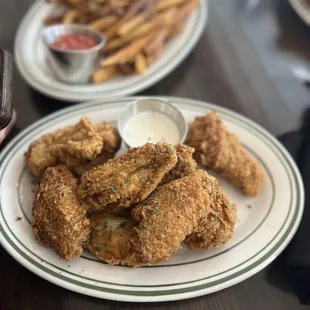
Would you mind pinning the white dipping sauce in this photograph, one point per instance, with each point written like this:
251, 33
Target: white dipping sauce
151, 127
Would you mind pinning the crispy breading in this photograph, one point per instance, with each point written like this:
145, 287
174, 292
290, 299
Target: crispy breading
127, 179
216, 227
111, 144
166, 218
111, 138
75, 146
101, 159
59, 221
110, 236
79, 145
217, 148
39, 156
184, 166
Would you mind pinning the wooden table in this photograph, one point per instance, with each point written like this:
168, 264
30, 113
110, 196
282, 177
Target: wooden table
243, 62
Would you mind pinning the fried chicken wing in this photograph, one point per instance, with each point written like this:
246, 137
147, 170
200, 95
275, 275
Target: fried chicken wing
216, 227
184, 166
166, 217
110, 136
75, 146
39, 155
111, 144
217, 148
59, 221
110, 236
127, 179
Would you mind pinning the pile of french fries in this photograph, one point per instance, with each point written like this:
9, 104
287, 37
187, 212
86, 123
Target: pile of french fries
136, 30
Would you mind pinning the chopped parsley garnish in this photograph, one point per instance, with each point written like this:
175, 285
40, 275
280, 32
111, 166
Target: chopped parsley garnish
110, 235
127, 180
167, 197
144, 225
97, 248
152, 181
18, 218
154, 210
170, 150
179, 248
112, 190
139, 176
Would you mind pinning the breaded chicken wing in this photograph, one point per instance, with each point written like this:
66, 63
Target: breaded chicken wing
217, 148
216, 227
111, 144
166, 218
110, 136
39, 155
75, 146
184, 166
110, 236
127, 179
59, 221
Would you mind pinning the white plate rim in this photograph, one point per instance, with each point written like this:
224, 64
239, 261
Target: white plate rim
147, 81
191, 293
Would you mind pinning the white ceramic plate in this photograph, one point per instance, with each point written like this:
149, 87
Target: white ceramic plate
30, 56
264, 227
302, 9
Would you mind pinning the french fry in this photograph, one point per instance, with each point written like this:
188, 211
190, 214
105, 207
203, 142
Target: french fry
102, 1
127, 53
175, 29
119, 42
112, 32
155, 46
103, 22
127, 68
71, 16
161, 20
103, 74
167, 17
162, 5
53, 20
119, 3
140, 63
131, 24
105, 10
185, 10
149, 60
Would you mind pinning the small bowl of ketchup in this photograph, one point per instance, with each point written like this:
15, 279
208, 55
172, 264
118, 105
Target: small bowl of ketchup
72, 51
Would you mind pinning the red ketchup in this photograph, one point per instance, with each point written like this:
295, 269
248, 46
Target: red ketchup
74, 42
